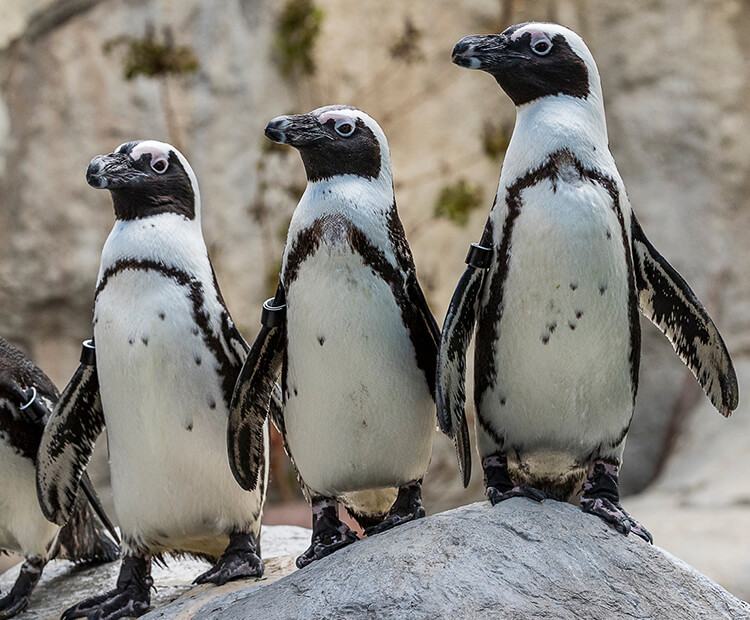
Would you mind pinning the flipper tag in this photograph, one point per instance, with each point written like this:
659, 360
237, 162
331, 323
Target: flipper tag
479, 257
272, 316
88, 353
32, 398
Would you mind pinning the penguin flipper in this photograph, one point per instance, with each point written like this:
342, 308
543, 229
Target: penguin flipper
276, 409
67, 444
668, 301
451, 370
251, 399
426, 329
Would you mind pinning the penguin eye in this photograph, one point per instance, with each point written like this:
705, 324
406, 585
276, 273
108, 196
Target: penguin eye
159, 165
541, 47
344, 128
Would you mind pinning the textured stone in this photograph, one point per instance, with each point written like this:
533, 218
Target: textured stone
675, 76
516, 560
64, 584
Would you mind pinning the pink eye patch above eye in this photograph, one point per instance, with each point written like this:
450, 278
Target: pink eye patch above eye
148, 149
328, 116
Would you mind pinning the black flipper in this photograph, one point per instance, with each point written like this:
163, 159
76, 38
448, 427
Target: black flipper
96, 505
425, 324
83, 539
667, 300
451, 370
68, 441
252, 393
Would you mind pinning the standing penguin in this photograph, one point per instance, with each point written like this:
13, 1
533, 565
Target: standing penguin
356, 345
567, 269
26, 398
161, 377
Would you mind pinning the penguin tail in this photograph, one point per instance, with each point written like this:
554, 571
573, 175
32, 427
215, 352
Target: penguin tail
84, 538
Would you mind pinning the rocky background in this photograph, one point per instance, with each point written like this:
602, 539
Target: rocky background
78, 77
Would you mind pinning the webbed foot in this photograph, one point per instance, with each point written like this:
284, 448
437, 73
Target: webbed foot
496, 496
18, 598
498, 483
407, 507
329, 532
130, 599
601, 497
239, 561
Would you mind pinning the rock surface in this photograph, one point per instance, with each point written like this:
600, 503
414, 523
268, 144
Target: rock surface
678, 116
64, 584
516, 560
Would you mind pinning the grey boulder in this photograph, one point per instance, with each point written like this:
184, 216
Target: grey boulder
516, 560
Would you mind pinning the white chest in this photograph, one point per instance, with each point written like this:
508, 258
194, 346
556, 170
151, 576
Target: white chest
359, 414
563, 343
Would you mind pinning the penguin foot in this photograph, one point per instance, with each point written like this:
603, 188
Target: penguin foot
496, 496
601, 497
130, 599
18, 598
239, 561
498, 484
329, 532
407, 507
614, 514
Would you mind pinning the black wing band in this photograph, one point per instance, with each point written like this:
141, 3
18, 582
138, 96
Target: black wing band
252, 394
454, 341
667, 300
67, 444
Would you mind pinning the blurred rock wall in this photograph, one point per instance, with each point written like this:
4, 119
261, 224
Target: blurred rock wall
675, 79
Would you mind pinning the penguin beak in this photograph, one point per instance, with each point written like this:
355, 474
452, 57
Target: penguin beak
489, 52
297, 130
113, 171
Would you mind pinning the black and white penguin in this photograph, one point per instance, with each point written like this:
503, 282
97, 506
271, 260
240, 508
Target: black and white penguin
356, 347
26, 397
166, 360
568, 267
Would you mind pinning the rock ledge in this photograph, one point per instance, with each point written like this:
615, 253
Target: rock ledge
517, 560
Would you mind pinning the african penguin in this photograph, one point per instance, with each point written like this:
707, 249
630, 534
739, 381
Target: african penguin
568, 267
166, 359
26, 397
357, 345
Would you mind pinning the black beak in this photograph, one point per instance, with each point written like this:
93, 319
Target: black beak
297, 130
487, 52
112, 171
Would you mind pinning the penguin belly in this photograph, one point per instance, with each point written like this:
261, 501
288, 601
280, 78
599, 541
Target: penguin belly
166, 419
358, 414
23, 527
563, 385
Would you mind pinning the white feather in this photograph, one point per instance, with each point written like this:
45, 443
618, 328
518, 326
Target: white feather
23, 527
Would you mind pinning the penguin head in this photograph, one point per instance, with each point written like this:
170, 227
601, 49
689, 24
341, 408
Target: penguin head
146, 178
533, 60
333, 141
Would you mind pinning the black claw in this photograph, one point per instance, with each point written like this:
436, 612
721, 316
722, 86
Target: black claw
239, 561
496, 496
12, 605
324, 546
601, 497
407, 507
130, 599
18, 598
500, 486
329, 533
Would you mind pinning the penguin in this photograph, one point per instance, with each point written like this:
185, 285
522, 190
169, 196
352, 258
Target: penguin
27, 396
555, 287
352, 336
159, 375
